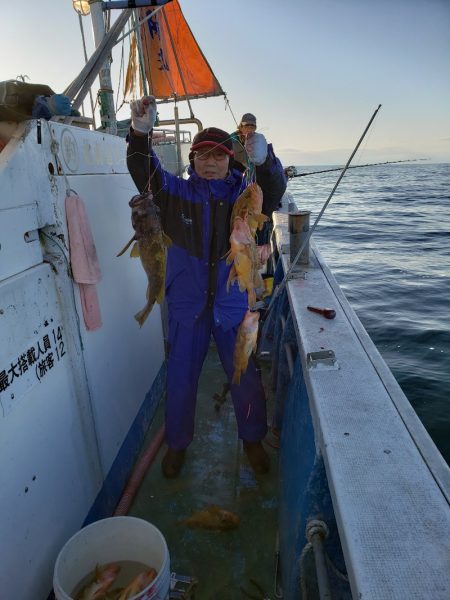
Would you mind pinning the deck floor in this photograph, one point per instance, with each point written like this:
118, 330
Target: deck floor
217, 472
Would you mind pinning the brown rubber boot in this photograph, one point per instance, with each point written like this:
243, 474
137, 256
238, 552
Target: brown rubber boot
257, 457
172, 462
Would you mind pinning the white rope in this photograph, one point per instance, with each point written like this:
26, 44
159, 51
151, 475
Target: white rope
335, 570
301, 560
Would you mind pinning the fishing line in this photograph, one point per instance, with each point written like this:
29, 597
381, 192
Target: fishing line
386, 162
285, 279
70, 275
245, 180
364, 145
228, 104
152, 171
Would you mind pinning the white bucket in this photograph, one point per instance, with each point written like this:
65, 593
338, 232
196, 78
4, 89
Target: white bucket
112, 540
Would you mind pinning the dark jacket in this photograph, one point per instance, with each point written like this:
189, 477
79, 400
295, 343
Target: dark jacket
195, 214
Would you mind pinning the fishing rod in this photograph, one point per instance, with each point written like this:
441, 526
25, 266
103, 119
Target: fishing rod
387, 162
283, 282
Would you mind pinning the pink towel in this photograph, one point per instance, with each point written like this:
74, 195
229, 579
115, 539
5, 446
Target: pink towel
84, 260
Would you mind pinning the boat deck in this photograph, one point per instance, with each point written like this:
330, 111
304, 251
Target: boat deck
216, 472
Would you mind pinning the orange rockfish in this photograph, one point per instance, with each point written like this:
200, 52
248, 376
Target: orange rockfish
103, 579
150, 247
248, 206
246, 218
264, 253
246, 341
139, 583
242, 255
213, 517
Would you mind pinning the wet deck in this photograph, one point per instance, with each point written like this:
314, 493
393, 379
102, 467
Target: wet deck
216, 472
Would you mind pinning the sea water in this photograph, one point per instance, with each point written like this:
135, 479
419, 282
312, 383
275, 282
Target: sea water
386, 237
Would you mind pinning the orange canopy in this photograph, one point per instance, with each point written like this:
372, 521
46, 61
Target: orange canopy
175, 66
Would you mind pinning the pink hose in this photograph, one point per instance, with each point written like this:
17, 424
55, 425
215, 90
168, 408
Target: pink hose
138, 474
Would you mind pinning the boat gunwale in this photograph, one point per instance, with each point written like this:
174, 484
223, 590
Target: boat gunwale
412, 477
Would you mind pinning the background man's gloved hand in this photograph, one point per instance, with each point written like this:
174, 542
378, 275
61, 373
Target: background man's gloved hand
143, 114
256, 147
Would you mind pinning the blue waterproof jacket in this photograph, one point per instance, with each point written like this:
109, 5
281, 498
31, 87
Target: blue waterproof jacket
195, 214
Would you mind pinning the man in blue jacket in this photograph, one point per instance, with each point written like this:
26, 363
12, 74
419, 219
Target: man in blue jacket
195, 214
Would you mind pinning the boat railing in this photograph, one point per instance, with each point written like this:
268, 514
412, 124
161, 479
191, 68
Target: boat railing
354, 441
167, 136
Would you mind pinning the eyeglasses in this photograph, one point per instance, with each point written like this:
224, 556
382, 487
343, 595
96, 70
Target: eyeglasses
218, 155
252, 125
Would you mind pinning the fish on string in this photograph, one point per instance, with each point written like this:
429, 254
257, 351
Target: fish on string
246, 343
248, 206
244, 259
150, 244
247, 261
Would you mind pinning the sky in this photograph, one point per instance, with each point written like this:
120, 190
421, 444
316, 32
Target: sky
312, 71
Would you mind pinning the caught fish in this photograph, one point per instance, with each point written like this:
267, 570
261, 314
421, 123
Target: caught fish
248, 206
240, 237
264, 253
150, 242
246, 341
104, 577
243, 254
139, 583
213, 517
246, 219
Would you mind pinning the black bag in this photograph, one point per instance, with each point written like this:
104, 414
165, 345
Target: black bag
17, 98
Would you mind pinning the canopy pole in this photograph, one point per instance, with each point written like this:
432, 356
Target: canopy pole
178, 65
105, 93
80, 20
140, 54
178, 141
78, 89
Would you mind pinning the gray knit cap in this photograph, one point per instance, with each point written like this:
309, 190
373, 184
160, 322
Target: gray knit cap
248, 119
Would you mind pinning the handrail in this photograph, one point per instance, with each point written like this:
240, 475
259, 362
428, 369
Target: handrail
185, 121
